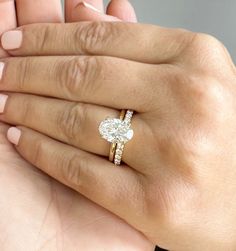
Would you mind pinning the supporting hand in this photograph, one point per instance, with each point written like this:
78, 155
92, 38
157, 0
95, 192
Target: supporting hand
36, 212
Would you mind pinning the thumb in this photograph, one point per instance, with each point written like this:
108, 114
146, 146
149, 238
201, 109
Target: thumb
122, 9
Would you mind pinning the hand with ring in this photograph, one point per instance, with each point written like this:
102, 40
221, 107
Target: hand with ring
164, 97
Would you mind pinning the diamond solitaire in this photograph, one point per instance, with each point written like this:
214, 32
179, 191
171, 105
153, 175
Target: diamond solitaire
116, 130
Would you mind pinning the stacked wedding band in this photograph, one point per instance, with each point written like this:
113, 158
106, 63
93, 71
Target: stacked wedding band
120, 146
114, 145
118, 132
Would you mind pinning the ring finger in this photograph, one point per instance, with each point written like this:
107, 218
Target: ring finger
70, 122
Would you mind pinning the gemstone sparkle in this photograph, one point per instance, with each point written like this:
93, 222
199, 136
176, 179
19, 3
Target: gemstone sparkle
116, 130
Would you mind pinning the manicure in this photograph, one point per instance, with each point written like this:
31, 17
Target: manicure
3, 101
12, 40
89, 6
1, 69
14, 135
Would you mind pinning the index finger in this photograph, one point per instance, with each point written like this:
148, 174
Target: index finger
138, 42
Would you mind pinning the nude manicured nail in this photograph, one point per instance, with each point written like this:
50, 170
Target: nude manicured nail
14, 135
12, 40
1, 69
89, 6
3, 101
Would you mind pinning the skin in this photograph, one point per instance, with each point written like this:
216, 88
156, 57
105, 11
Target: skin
177, 184
37, 212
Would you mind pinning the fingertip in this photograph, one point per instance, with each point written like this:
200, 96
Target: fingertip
122, 9
71, 7
14, 135
84, 12
12, 40
89, 6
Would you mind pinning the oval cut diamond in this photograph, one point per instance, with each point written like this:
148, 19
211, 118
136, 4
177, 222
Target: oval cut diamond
116, 131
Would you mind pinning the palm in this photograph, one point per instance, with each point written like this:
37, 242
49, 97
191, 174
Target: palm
37, 213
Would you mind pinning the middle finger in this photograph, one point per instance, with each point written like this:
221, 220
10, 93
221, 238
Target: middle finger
105, 81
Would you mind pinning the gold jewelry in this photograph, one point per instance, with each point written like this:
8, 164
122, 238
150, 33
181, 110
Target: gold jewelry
121, 145
118, 132
113, 145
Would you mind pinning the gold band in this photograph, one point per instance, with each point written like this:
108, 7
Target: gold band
121, 145
114, 145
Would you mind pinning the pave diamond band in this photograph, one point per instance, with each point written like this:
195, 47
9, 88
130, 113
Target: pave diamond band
114, 145
121, 145
118, 154
118, 132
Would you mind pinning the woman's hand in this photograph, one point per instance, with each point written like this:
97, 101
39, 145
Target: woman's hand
52, 216
177, 185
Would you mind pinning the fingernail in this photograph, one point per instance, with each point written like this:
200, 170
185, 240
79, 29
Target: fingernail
14, 135
89, 6
12, 40
1, 69
3, 101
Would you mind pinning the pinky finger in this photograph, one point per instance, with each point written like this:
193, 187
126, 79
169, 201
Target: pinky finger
96, 178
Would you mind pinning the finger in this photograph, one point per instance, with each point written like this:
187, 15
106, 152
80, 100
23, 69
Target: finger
72, 6
86, 12
76, 124
40, 11
138, 42
7, 20
116, 189
104, 81
122, 9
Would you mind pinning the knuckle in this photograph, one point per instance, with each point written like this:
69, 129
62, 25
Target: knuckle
26, 110
201, 89
198, 45
41, 43
23, 70
207, 41
72, 120
94, 36
78, 77
72, 169
91, 71
205, 47
69, 77
212, 94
